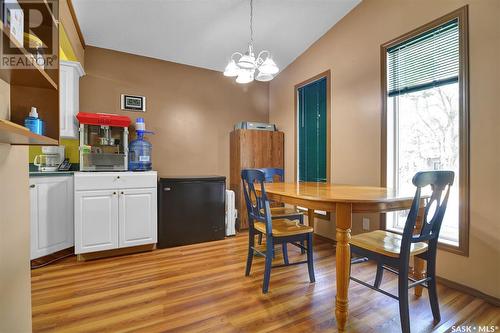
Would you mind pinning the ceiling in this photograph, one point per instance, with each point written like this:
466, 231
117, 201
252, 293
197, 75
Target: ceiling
204, 33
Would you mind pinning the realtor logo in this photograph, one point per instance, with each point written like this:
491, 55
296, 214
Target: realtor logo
30, 36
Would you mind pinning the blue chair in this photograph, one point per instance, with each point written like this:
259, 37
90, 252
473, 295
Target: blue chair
277, 231
392, 251
276, 174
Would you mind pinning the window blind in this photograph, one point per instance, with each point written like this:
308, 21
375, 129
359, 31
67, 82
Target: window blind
312, 132
428, 60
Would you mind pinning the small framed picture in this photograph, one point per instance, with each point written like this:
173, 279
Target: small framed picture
133, 103
13, 17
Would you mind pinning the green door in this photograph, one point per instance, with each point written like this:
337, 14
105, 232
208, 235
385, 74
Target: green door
312, 131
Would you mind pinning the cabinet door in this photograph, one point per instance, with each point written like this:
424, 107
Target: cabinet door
138, 221
96, 220
69, 86
51, 211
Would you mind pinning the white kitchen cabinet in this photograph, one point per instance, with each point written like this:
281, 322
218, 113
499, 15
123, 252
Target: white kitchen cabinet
137, 210
96, 220
70, 73
114, 210
51, 214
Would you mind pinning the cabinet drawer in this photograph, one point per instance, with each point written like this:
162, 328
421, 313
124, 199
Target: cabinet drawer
114, 180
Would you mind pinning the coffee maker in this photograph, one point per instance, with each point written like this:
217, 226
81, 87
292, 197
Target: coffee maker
50, 159
103, 142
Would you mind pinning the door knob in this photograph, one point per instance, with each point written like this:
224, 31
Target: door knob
166, 189
32, 186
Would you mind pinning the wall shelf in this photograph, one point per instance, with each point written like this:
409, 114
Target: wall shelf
14, 134
35, 77
32, 85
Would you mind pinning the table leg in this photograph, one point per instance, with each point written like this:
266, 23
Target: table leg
310, 217
343, 218
419, 264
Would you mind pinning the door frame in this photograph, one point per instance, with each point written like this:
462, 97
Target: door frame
326, 74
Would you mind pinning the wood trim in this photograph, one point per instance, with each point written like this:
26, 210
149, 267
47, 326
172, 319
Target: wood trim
326, 74
468, 290
75, 21
464, 192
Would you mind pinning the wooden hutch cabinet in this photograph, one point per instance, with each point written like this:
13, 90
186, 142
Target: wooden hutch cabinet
252, 149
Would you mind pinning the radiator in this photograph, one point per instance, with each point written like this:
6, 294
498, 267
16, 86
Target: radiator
231, 214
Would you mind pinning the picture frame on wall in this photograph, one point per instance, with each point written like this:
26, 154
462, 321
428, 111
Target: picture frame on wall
133, 103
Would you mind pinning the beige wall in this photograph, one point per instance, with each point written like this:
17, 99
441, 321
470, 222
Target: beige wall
15, 278
191, 110
351, 51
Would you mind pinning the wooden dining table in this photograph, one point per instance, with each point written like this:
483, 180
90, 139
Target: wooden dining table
343, 201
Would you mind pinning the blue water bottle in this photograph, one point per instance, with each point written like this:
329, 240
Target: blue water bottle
33, 123
139, 156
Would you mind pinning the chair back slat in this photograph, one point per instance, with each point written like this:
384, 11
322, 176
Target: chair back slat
440, 183
273, 174
258, 207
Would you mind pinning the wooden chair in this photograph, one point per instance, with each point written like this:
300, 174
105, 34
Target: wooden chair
277, 174
277, 231
393, 251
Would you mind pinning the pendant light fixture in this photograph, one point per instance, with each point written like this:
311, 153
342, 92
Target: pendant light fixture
245, 66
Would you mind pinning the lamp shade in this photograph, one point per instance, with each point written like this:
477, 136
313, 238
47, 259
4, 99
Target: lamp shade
264, 77
231, 69
245, 76
269, 67
247, 62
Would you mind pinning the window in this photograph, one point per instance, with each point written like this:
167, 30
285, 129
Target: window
426, 117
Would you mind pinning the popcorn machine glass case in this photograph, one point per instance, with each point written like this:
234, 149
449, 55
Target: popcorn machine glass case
103, 142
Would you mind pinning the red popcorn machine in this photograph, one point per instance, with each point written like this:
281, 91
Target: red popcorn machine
103, 142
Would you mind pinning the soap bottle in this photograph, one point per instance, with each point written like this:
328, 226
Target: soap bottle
33, 123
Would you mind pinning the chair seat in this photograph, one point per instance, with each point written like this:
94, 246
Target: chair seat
386, 243
282, 211
282, 227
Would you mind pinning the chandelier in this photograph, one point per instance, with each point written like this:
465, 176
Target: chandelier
244, 66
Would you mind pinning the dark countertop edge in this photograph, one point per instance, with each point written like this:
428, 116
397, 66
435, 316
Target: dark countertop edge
33, 171
51, 173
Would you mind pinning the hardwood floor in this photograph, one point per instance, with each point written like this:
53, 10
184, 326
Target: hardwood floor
202, 288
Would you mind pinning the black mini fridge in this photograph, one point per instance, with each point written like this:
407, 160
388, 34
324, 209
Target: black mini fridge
191, 210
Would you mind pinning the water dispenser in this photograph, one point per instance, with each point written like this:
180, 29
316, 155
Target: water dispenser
140, 149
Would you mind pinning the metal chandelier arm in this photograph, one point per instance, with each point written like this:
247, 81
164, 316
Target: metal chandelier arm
259, 59
236, 54
244, 66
